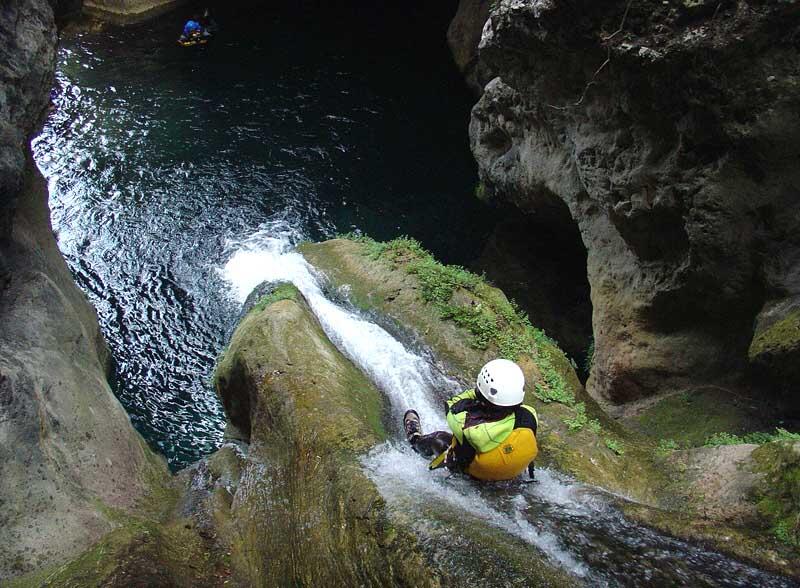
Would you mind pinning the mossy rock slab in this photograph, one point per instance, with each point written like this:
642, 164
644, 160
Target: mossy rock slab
775, 352
402, 281
690, 418
304, 513
280, 362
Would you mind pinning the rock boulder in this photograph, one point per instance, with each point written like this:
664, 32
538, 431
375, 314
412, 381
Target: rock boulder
670, 131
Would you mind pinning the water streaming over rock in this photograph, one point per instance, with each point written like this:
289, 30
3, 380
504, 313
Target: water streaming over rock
576, 526
157, 155
166, 167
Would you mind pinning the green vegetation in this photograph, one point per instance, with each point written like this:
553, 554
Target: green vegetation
666, 446
281, 292
615, 446
718, 439
581, 420
467, 299
778, 498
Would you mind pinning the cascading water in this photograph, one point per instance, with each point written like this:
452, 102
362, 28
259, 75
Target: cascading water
576, 526
156, 155
159, 161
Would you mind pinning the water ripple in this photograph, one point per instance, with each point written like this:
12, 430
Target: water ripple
156, 157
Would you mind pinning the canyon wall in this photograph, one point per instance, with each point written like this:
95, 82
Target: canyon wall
70, 461
128, 11
670, 131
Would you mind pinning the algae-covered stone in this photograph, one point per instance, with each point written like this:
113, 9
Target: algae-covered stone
691, 417
779, 495
467, 322
303, 513
775, 351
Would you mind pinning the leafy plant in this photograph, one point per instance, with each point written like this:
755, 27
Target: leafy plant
666, 446
719, 439
615, 446
580, 419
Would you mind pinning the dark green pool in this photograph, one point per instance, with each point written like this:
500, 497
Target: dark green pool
159, 157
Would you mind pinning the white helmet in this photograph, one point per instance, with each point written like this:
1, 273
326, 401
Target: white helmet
502, 383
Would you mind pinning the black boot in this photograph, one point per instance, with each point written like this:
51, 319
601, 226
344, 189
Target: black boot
412, 426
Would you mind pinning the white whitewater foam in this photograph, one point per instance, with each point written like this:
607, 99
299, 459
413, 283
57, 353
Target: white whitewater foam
404, 475
405, 377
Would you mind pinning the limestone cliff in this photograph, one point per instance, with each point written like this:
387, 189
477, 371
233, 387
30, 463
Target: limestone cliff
463, 36
70, 461
670, 131
128, 11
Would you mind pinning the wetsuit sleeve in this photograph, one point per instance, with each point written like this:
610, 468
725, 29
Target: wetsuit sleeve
525, 417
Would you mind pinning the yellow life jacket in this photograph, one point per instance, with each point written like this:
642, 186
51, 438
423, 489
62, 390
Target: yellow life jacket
508, 460
503, 451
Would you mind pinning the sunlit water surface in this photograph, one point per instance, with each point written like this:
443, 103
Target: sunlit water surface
182, 179
158, 156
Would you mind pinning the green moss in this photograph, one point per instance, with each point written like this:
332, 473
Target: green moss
757, 438
471, 303
581, 420
281, 292
615, 446
690, 418
781, 337
141, 552
666, 447
778, 498
286, 343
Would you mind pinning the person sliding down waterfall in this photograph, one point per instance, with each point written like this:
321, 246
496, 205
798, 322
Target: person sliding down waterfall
493, 434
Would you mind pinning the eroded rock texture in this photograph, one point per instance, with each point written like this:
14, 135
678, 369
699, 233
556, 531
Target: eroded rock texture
463, 36
670, 130
128, 11
69, 457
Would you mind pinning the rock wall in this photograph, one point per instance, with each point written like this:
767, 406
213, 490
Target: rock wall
463, 36
128, 11
70, 461
670, 131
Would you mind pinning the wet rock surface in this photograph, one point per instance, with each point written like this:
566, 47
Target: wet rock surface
128, 11
70, 461
670, 132
705, 494
311, 414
